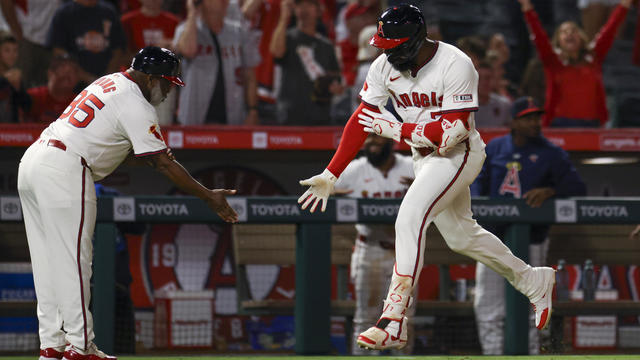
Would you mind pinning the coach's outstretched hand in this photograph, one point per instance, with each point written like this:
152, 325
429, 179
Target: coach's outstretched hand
320, 187
218, 203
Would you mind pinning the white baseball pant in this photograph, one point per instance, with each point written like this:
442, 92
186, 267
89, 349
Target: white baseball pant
371, 270
59, 205
489, 305
440, 194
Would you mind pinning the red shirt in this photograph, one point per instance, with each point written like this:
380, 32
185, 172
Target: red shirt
575, 91
142, 30
44, 108
269, 15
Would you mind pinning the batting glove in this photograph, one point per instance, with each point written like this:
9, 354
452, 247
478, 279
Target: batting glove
384, 125
452, 134
320, 187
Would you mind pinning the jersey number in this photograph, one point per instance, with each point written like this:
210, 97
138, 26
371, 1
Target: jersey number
81, 103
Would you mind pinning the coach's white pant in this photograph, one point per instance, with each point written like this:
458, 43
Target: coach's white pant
489, 305
440, 194
371, 270
59, 204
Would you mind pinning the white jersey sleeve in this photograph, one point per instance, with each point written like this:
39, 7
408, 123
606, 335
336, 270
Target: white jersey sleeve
374, 91
460, 86
139, 121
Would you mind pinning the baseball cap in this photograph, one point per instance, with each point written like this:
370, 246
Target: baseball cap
523, 106
365, 50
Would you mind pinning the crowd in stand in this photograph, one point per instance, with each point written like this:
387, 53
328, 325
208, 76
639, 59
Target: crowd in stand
302, 62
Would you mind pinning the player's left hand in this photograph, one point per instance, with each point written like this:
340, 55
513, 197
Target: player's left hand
320, 187
535, 197
384, 125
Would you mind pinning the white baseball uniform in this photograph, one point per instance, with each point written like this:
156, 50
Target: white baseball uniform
56, 178
373, 256
445, 83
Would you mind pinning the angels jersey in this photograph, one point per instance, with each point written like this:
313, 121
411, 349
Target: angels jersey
447, 82
106, 121
367, 181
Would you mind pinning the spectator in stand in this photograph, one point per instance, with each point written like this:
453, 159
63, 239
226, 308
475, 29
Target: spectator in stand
494, 110
49, 101
264, 15
353, 19
13, 98
498, 54
308, 61
218, 68
366, 55
533, 82
29, 22
475, 48
524, 165
575, 94
90, 31
150, 25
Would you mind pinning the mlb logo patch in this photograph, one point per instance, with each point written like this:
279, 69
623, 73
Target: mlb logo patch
462, 98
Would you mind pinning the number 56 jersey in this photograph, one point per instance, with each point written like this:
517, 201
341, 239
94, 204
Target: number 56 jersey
107, 120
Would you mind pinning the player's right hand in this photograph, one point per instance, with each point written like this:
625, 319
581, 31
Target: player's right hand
384, 125
218, 203
320, 187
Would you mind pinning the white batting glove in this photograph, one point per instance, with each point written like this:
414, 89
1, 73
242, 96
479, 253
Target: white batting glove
383, 124
320, 187
452, 134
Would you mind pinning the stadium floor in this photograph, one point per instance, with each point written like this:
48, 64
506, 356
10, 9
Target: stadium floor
460, 357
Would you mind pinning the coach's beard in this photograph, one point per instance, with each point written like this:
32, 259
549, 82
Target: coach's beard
156, 95
378, 158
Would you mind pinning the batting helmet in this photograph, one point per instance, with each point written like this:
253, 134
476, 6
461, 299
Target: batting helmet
401, 33
158, 61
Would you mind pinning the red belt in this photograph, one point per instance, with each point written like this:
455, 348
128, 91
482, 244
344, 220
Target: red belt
60, 145
383, 244
57, 143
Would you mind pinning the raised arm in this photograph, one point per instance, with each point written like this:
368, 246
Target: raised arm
278, 44
540, 37
604, 39
187, 44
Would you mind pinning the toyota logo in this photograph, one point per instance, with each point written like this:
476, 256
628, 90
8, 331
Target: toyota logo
124, 209
565, 211
238, 208
10, 208
347, 209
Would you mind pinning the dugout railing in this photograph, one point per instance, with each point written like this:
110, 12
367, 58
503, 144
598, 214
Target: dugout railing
313, 248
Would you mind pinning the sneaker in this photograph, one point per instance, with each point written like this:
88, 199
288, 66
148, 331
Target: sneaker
92, 353
542, 305
387, 334
52, 353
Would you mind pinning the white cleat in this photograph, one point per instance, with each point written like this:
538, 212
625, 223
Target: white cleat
542, 305
387, 334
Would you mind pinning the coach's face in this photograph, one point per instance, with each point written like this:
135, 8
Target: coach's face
528, 126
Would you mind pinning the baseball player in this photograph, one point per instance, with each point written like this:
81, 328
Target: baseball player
433, 87
522, 164
108, 120
380, 173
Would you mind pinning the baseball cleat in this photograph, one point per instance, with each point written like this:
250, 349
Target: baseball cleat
52, 353
542, 306
387, 334
92, 353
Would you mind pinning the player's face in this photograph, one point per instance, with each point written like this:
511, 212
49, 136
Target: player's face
528, 126
377, 149
159, 89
